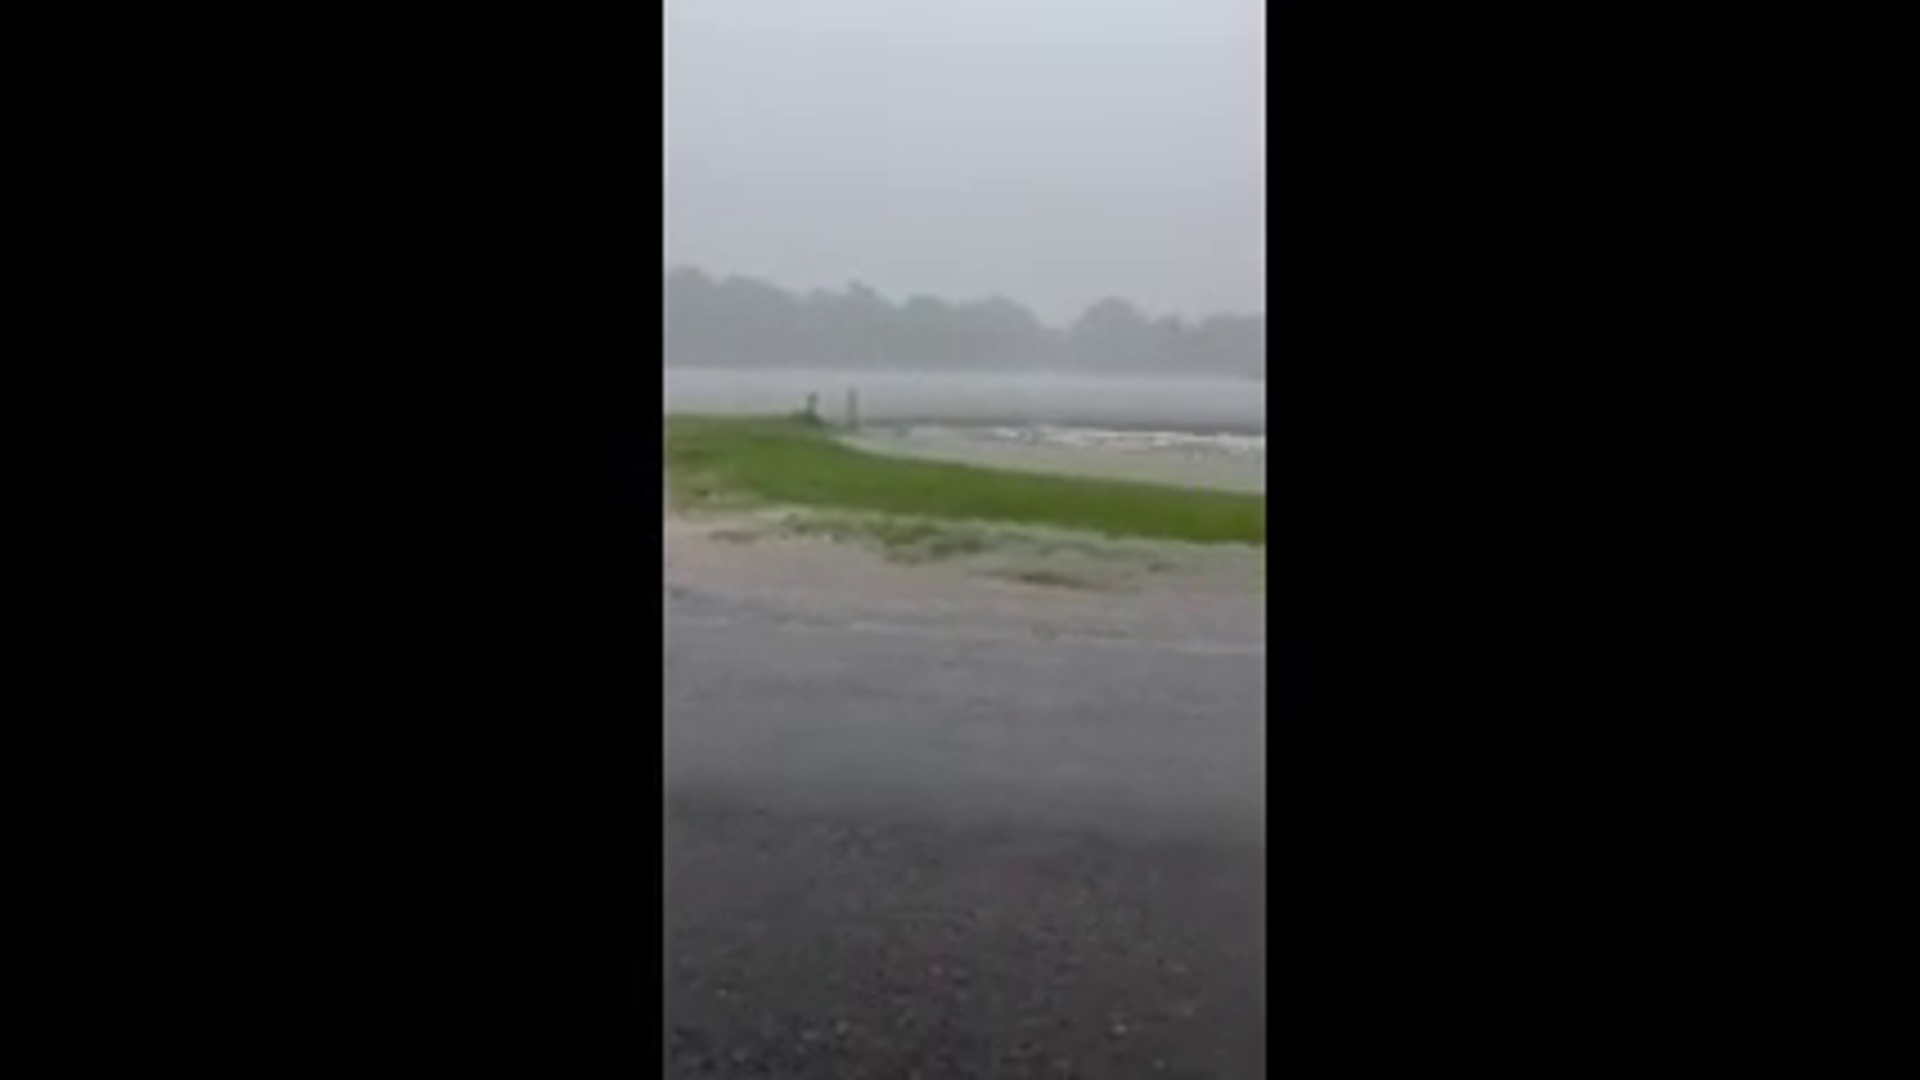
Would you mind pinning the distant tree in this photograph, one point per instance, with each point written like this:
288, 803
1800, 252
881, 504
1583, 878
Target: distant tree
998, 333
1232, 344
866, 327
1168, 344
744, 322
692, 314
924, 333
1112, 335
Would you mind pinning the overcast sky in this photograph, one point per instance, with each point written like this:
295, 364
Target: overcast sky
1052, 151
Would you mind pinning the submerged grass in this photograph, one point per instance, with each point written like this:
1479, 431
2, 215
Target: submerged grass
727, 461
903, 540
1056, 579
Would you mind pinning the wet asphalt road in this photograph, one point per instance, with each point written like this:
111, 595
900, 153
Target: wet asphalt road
924, 850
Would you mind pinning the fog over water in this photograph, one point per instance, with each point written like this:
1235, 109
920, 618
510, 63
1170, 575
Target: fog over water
1111, 401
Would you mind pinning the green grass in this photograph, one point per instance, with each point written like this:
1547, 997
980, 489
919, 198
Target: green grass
716, 461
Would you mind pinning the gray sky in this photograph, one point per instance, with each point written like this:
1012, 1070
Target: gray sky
1053, 151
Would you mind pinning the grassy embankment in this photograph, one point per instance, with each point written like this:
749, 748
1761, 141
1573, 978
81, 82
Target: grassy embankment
714, 461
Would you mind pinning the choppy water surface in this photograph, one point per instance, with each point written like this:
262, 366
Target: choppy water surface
1224, 460
1128, 441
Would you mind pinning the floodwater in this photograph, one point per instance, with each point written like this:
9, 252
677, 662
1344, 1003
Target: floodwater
1220, 460
1102, 401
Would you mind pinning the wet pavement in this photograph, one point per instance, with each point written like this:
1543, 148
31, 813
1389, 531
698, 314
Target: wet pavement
901, 848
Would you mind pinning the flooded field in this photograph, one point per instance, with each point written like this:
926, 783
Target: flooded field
1223, 460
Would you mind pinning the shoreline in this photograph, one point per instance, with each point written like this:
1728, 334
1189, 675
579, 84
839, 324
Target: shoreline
1172, 467
1148, 592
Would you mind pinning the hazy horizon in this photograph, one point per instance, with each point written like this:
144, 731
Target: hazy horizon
881, 288
741, 321
1054, 154
1158, 402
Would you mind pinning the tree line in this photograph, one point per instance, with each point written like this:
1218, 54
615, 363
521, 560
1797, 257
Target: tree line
744, 322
